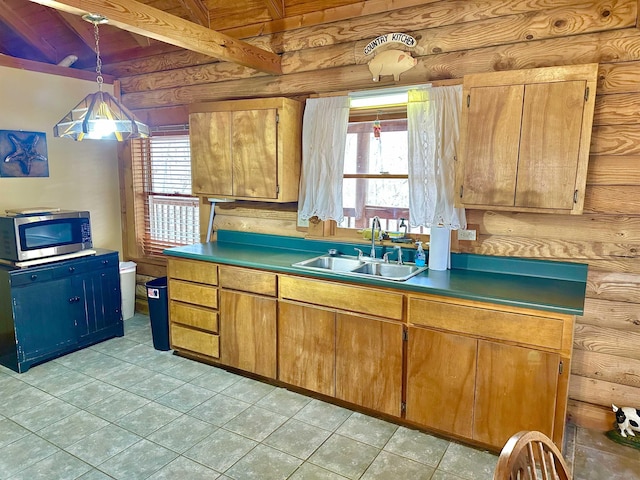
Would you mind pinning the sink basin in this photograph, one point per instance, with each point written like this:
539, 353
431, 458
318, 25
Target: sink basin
335, 264
391, 271
361, 267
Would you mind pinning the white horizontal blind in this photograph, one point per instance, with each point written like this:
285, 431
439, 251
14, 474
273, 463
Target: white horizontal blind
166, 213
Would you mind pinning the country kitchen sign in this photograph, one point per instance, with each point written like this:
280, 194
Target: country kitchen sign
390, 62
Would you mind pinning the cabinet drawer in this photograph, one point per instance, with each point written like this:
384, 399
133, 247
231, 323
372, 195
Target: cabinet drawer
195, 341
197, 317
514, 327
193, 271
193, 293
345, 297
248, 280
27, 277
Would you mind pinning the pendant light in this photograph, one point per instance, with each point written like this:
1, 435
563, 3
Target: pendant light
99, 115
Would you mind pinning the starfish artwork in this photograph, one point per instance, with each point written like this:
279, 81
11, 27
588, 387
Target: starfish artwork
23, 154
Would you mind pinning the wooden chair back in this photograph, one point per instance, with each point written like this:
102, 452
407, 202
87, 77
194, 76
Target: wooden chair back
531, 455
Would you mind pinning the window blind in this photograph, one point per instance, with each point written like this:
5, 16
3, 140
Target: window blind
166, 215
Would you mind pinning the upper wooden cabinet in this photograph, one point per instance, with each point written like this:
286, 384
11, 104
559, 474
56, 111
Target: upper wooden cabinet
246, 149
524, 139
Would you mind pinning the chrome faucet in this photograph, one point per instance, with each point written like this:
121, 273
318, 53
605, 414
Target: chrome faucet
404, 225
374, 222
399, 248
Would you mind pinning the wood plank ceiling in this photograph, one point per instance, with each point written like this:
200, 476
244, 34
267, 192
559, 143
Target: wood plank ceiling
50, 30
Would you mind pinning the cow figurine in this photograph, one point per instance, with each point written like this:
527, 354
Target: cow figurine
628, 420
391, 62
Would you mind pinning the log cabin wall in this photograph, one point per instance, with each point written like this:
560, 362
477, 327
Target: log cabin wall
457, 38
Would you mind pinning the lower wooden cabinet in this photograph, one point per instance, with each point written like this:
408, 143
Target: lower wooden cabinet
351, 357
248, 332
354, 357
480, 390
472, 369
193, 307
194, 340
441, 377
516, 390
485, 373
369, 362
307, 347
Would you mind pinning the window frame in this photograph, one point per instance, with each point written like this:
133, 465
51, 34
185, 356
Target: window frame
329, 228
133, 205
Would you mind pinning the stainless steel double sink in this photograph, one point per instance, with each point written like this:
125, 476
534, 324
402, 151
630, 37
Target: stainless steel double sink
364, 267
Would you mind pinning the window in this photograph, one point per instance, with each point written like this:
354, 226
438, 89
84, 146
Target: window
166, 215
376, 166
376, 174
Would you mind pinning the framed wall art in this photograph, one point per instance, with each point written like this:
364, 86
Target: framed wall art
23, 154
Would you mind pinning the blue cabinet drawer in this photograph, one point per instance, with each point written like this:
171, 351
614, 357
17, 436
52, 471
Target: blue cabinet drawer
63, 269
29, 276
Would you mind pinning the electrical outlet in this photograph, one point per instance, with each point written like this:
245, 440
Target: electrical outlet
466, 235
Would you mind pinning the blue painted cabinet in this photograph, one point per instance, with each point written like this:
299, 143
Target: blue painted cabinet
47, 311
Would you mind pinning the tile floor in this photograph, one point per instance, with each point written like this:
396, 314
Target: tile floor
122, 410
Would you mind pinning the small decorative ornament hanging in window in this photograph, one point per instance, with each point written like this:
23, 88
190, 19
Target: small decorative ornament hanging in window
377, 128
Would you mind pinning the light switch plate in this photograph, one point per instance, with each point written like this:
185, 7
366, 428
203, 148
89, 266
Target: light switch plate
467, 235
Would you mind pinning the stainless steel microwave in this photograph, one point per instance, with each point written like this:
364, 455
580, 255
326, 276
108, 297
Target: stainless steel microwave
29, 235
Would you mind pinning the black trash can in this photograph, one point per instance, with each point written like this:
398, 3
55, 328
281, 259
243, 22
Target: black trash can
158, 312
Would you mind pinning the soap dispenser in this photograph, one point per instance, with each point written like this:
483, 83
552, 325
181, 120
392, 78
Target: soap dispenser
420, 256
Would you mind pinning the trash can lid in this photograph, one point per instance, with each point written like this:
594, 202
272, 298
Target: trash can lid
127, 267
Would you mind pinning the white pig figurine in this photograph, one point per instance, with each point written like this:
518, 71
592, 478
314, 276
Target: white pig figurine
391, 62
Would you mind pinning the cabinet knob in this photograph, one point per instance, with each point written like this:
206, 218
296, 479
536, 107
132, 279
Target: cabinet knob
105, 262
72, 269
74, 299
34, 277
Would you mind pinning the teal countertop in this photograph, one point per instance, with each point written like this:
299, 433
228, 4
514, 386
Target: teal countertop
539, 284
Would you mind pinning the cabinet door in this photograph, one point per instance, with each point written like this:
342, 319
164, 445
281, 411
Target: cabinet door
44, 317
369, 362
306, 347
100, 299
255, 155
248, 332
441, 373
211, 155
492, 140
515, 390
550, 144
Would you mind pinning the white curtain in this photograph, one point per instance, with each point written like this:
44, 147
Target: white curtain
433, 119
324, 137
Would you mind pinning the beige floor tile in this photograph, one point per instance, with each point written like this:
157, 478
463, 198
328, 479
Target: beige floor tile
388, 466
468, 462
344, 456
297, 438
264, 462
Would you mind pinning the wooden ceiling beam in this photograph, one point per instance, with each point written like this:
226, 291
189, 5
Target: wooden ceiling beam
276, 8
82, 29
153, 23
27, 34
198, 11
319, 17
